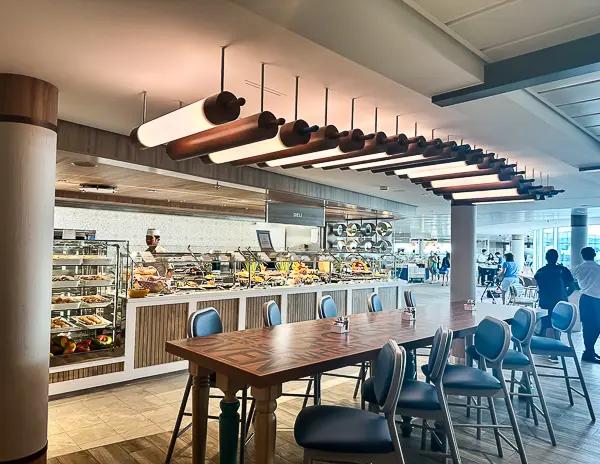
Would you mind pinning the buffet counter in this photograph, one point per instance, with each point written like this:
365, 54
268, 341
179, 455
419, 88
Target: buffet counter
150, 322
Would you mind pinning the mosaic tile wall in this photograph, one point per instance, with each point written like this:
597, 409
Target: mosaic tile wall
177, 231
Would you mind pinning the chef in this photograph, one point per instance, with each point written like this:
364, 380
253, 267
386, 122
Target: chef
153, 241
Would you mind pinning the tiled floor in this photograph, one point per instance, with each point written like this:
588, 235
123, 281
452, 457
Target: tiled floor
132, 424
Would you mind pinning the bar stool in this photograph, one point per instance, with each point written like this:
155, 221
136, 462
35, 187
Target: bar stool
374, 303
327, 308
409, 299
564, 317
521, 360
350, 435
492, 340
201, 323
424, 400
271, 318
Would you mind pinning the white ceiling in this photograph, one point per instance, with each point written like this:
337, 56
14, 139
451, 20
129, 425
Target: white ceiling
102, 55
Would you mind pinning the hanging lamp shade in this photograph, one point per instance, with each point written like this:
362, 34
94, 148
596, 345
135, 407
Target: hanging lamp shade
292, 134
447, 165
374, 149
411, 146
245, 131
325, 138
205, 114
353, 141
489, 166
467, 184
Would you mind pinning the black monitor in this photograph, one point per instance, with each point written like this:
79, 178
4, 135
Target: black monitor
264, 240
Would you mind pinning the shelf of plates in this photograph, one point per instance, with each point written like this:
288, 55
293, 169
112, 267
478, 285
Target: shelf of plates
89, 290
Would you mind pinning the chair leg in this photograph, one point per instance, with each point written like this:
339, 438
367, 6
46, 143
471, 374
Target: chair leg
584, 388
468, 408
184, 400
540, 393
361, 376
513, 422
243, 425
513, 379
251, 416
479, 413
317, 398
494, 417
567, 381
530, 404
307, 459
424, 436
308, 387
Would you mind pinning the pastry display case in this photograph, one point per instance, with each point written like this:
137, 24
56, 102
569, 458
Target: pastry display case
89, 288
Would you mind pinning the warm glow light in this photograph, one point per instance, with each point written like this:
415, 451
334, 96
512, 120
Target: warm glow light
246, 151
358, 159
394, 162
306, 157
178, 124
460, 181
502, 201
499, 193
455, 167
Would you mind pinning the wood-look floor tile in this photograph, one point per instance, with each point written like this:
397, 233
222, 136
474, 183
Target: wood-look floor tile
150, 456
81, 457
112, 454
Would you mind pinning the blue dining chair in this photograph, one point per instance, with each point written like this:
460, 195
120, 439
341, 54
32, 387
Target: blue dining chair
374, 303
201, 323
350, 435
271, 318
409, 299
564, 317
327, 309
520, 359
425, 400
492, 341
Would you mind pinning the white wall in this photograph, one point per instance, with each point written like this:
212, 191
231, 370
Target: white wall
178, 231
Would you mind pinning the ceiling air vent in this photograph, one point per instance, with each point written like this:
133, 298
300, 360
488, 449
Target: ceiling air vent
97, 188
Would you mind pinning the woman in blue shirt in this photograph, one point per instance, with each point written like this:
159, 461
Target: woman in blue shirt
509, 274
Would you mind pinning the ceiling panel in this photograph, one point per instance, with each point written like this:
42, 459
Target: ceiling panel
572, 93
590, 120
582, 108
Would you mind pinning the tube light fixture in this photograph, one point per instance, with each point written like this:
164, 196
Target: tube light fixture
330, 164
492, 202
191, 119
290, 135
381, 163
454, 167
460, 181
485, 194
245, 131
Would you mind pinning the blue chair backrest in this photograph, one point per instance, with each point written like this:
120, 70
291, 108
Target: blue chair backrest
391, 364
271, 314
374, 303
523, 325
204, 322
440, 350
409, 299
492, 339
564, 316
327, 307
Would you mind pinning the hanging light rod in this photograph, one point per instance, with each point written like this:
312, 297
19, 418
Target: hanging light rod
446, 157
482, 183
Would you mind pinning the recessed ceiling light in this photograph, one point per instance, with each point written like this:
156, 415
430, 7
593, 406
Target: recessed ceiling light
62, 181
223, 205
181, 201
84, 164
152, 190
426, 194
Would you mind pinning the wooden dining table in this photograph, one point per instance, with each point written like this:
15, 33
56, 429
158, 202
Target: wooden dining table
264, 359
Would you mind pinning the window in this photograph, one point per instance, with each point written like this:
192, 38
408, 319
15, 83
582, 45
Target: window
563, 242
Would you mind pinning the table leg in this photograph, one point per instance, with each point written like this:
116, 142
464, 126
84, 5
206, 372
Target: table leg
266, 423
229, 420
200, 397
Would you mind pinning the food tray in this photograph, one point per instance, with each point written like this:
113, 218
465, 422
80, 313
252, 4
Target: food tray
65, 306
61, 330
104, 324
65, 284
96, 283
67, 262
96, 305
99, 261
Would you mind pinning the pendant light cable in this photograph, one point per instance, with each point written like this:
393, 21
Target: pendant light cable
352, 115
222, 69
326, 103
296, 99
376, 109
144, 106
262, 87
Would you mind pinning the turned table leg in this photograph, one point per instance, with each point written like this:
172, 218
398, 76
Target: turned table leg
266, 423
200, 397
229, 420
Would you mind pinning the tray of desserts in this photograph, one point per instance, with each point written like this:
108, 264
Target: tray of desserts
66, 260
60, 324
98, 280
91, 321
97, 260
65, 281
63, 302
95, 301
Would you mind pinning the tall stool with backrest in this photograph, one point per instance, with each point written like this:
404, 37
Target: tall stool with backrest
327, 308
271, 318
374, 303
492, 341
521, 360
424, 400
564, 317
200, 324
409, 299
350, 435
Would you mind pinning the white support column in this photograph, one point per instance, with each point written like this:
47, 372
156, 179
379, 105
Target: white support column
242, 313
463, 241
28, 125
517, 248
349, 301
579, 234
284, 308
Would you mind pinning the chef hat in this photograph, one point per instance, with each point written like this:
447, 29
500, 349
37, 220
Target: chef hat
153, 233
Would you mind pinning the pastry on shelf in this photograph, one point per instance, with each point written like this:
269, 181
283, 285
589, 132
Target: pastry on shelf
90, 319
59, 323
94, 299
94, 277
64, 278
62, 299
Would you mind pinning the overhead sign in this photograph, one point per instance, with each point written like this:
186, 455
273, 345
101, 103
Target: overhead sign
284, 213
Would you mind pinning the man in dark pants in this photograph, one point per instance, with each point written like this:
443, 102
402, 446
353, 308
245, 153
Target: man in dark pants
588, 278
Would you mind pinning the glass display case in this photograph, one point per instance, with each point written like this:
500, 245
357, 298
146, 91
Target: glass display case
89, 290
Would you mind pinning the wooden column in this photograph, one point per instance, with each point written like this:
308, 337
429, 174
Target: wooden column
28, 118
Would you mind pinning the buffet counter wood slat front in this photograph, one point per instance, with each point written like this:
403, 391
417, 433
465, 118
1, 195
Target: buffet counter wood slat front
150, 322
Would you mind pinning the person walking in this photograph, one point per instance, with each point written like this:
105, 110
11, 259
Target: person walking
588, 278
509, 274
433, 263
445, 269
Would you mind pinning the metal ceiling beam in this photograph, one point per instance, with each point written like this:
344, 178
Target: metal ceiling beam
570, 59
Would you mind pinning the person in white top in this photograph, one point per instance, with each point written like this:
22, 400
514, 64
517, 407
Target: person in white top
588, 279
481, 261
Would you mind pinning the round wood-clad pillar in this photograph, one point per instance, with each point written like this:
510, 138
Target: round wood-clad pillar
28, 119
